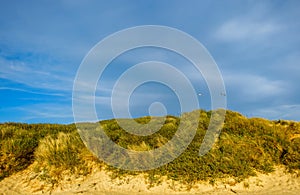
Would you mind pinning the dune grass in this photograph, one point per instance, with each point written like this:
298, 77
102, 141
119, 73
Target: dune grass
19, 142
245, 146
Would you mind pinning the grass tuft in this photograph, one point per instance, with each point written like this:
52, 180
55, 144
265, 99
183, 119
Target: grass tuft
244, 147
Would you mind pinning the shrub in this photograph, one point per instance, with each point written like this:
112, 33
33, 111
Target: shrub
62, 151
65, 152
244, 147
17, 148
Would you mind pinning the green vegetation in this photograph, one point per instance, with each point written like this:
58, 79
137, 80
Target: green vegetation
18, 143
245, 146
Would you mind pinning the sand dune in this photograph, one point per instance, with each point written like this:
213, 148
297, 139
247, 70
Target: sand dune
99, 182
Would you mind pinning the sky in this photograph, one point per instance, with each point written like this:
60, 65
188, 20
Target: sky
256, 45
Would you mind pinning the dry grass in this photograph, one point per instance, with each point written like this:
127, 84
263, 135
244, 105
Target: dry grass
245, 146
63, 154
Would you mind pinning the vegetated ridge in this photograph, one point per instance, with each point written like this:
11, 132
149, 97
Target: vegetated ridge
245, 146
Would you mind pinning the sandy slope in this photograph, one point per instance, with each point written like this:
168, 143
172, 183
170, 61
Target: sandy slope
99, 182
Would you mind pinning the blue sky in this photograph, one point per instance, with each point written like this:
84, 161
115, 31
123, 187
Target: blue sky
256, 45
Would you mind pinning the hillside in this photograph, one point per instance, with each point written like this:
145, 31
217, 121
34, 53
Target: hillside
246, 147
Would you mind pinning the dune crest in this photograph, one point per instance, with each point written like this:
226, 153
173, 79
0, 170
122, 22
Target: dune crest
99, 182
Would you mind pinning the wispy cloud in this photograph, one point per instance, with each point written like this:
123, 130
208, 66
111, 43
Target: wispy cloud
254, 88
32, 92
39, 78
246, 29
42, 112
256, 45
285, 111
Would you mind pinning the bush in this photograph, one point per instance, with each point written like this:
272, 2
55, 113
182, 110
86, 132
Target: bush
62, 151
244, 147
19, 141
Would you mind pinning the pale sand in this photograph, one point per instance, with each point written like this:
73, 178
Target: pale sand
26, 182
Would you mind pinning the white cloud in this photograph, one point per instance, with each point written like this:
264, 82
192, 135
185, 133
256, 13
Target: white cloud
30, 91
287, 111
43, 111
30, 75
254, 87
246, 29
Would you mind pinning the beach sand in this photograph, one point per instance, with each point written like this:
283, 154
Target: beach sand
99, 182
